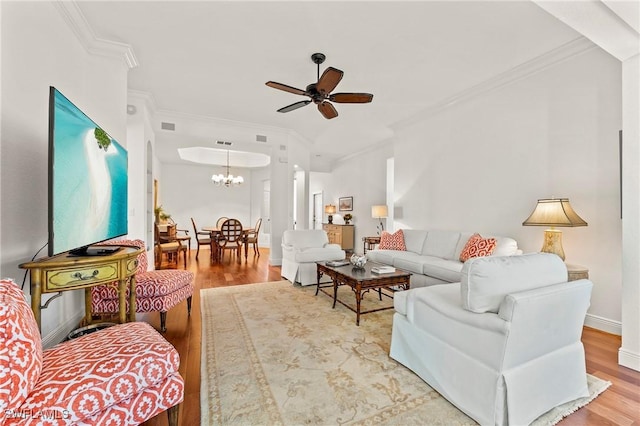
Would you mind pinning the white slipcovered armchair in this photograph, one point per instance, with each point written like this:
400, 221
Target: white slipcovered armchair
301, 249
504, 344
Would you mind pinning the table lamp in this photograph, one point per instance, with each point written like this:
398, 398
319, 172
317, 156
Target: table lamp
554, 212
330, 209
378, 212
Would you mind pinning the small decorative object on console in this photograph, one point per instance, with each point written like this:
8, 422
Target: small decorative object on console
358, 261
347, 218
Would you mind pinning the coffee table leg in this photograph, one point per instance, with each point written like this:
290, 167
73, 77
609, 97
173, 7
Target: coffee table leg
335, 291
358, 299
319, 275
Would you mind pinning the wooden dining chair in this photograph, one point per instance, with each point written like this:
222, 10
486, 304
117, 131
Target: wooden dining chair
203, 238
220, 221
232, 238
172, 249
252, 238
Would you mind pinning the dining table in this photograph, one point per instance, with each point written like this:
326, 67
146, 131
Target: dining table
214, 232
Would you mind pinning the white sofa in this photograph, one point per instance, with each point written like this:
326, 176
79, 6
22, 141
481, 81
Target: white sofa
504, 344
433, 257
301, 249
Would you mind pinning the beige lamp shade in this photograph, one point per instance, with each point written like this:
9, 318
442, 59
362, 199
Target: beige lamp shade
330, 210
554, 212
379, 211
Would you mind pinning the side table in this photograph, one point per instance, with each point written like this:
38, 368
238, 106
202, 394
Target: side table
370, 242
577, 272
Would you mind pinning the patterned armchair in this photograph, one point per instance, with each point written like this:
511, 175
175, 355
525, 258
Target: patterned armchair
122, 375
158, 290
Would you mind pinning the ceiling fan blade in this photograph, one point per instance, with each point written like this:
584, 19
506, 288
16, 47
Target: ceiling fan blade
285, 88
327, 110
294, 106
351, 98
329, 80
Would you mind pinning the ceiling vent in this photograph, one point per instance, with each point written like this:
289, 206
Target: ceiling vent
168, 126
261, 138
226, 143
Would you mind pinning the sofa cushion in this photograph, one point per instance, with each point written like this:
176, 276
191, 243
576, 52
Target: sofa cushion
441, 244
477, 246
383, 256
20, 347
409, 261
487, 280
444, 269
393, 241
414, 239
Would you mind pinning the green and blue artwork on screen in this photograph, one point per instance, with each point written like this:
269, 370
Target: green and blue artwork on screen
88, 180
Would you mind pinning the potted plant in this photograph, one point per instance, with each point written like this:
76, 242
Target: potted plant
161, 215
347, 218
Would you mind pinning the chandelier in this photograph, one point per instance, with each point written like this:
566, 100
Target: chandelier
229, 179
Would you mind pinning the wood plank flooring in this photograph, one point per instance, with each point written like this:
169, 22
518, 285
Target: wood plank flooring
618, 405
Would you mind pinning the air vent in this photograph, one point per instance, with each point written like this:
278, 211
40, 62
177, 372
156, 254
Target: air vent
168, 126
227, 143
261, 138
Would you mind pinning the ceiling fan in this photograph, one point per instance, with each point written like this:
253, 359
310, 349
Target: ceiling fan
320, 92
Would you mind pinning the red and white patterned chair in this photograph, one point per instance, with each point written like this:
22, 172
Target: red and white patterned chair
122, 375
158, 290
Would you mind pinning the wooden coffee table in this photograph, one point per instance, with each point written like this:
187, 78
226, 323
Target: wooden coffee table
361, 281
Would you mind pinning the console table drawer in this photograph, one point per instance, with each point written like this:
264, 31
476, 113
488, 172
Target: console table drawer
81, 277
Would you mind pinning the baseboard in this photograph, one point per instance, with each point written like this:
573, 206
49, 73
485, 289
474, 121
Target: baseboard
603, 324
629, 359
62, 331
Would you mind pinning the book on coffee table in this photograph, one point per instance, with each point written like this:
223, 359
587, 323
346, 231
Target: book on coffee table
383, 269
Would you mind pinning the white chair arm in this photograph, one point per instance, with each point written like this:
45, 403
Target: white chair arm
333, 246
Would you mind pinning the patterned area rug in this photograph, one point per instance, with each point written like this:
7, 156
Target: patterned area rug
276, 354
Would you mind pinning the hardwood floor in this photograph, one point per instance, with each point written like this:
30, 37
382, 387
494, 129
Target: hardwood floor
618, 405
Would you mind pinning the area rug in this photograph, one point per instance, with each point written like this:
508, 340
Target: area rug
276, 354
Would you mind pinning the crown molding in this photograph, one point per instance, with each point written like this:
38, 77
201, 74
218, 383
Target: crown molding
547, 60
74, 18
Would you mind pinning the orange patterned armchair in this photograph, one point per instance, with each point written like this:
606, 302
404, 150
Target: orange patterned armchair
158, 290
122, 375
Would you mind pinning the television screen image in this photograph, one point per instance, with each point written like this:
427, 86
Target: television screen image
87, 180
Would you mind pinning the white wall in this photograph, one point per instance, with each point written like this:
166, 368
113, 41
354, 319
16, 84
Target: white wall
40, 50
362, 177
480, 165
187, 191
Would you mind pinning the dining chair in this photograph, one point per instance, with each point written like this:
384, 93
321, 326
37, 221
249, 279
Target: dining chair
220, 221
232, 238
203, 238
252, 238
171, 248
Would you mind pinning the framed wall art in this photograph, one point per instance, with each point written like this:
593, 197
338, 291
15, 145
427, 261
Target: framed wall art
345, 204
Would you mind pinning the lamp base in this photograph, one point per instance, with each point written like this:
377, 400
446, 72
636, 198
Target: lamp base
553, 242
330, 218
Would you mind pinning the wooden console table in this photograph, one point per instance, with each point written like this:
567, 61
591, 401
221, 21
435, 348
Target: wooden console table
64, 272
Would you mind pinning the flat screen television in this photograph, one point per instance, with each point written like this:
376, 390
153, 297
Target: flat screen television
87, 182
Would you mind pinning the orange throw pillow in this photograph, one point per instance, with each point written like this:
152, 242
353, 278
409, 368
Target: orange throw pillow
477, 247
393, 241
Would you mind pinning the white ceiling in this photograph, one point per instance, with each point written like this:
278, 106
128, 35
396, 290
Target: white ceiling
212, 59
